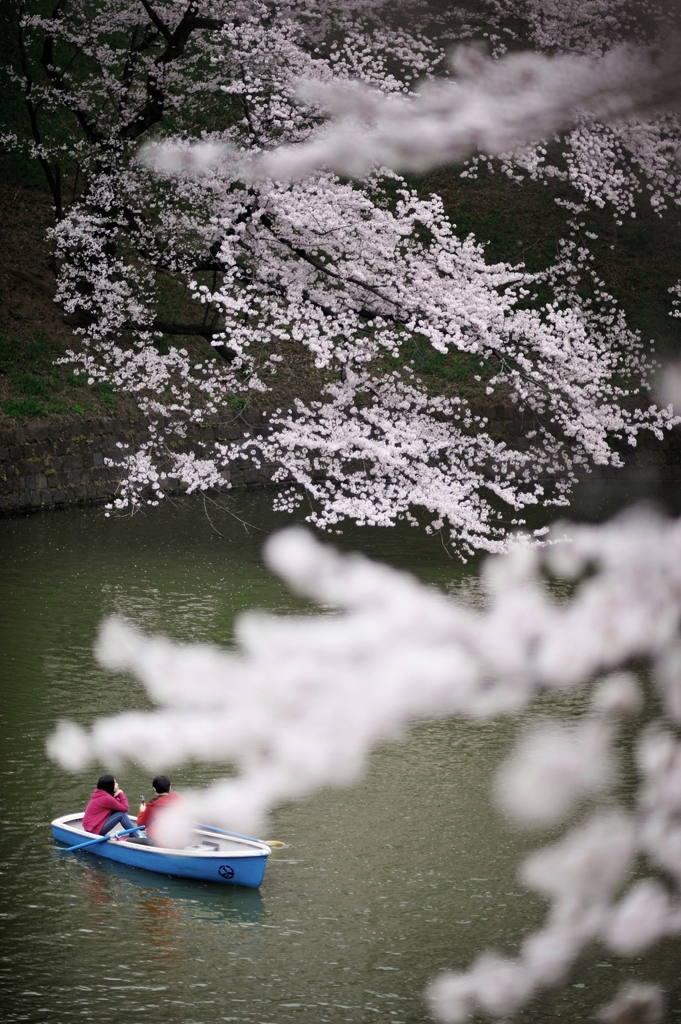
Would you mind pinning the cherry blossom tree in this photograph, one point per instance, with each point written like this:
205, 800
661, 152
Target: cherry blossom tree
351, 272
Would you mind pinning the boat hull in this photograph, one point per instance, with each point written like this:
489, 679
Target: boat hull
242, 864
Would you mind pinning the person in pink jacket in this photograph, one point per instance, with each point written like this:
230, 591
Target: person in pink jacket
107, 808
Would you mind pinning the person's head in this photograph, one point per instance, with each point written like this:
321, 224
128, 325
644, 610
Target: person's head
107, 783
161, 784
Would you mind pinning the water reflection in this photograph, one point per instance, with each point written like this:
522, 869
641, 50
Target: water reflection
106, 883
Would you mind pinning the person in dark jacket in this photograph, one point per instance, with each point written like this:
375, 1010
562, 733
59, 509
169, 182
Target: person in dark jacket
107, 808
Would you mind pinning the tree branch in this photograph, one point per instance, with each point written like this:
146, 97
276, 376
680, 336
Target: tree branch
51, 174
157, 20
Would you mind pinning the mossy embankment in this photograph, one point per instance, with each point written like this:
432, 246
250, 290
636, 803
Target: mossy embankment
36, 385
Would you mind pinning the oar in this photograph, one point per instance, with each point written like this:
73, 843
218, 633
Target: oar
275, 844
100, 839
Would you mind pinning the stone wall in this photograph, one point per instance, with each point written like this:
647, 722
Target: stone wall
54, 465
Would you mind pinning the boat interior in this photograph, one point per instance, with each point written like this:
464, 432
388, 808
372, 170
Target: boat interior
202, 840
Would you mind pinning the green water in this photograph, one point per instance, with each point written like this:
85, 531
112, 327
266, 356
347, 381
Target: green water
382, 886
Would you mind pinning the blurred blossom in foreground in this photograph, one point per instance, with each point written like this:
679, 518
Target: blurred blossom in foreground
491, 106
553, 767
302, 701
635, 1004
670, 385
191, 158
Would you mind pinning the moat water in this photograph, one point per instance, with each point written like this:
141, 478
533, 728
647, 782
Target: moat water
382, 886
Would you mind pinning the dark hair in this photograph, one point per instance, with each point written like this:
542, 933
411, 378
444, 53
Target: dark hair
107, 783
161, 784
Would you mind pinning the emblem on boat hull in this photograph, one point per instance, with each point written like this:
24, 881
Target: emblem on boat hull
225, 871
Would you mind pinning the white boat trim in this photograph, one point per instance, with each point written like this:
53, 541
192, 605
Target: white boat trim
254, 847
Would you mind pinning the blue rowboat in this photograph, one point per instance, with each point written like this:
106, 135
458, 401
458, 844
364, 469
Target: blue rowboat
212, 855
